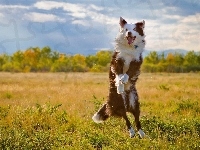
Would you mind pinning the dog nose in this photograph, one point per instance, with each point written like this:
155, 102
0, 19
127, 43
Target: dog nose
129, 33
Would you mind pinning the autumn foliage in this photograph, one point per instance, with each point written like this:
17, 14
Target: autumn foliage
172, 62
46, 60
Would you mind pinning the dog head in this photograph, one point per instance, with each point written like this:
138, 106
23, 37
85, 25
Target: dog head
132, 32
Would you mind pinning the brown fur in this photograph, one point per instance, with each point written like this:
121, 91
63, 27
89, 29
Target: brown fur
139, 28
115, 105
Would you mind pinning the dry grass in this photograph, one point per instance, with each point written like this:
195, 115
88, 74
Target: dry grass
162, 91
170, 111
75, 90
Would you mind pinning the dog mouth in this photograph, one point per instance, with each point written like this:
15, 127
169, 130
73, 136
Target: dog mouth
130, 39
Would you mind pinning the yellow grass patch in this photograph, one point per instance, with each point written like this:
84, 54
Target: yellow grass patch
75, 91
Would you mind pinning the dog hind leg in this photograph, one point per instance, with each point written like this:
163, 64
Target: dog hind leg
128, 124
136, 113
135, 110
101, 115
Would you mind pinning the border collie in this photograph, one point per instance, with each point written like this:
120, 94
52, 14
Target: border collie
123, 74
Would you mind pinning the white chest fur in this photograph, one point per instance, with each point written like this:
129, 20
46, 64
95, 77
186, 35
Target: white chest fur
128, 56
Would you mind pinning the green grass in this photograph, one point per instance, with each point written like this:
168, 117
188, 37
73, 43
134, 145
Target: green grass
53, 111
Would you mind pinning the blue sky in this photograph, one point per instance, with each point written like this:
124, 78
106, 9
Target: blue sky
86, 26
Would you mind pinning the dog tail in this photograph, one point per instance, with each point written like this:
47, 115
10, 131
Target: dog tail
101, 115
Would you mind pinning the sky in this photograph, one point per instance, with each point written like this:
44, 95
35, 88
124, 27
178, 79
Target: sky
87, 26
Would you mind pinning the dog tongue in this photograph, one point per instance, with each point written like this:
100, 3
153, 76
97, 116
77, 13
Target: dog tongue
130, 40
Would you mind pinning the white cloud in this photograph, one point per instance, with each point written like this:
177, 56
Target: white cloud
192, 19
40, 17
81, 15
175, 17
1, 15
13, 7
47, 5
80, 22
78, 11
183, 33
11, 12
97, 8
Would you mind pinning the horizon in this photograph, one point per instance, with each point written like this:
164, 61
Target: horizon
144, 53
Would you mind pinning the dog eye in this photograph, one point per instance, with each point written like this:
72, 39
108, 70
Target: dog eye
126, 29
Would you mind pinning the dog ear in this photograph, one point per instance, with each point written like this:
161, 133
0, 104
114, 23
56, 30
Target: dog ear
139, 27
122, 22
140, 24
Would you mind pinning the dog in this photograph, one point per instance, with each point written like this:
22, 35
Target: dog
123, 74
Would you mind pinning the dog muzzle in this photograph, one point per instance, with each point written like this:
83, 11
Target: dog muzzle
130, 39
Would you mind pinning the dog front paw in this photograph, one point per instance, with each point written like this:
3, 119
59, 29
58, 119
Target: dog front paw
124, 78
119, 84
120, 88
118, 79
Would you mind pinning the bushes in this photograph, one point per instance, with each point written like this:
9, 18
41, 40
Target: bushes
48, 127
173, 62
39, 127
46, 60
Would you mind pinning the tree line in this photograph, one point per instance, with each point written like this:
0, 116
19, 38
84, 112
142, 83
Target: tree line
44, 59
172, 62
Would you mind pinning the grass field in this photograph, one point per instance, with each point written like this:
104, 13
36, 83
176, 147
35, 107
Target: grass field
54, 110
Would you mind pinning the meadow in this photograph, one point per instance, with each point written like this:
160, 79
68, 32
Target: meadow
54, 110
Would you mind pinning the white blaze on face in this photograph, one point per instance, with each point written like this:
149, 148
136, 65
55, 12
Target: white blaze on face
129, 28
130, 34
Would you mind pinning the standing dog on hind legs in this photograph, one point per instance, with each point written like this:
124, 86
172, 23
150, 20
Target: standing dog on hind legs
123, 74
